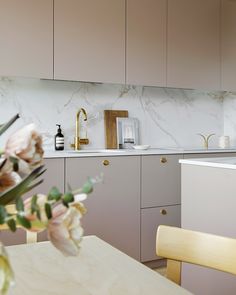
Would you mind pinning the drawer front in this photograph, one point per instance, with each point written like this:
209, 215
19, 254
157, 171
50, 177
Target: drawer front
160, 180
150, 220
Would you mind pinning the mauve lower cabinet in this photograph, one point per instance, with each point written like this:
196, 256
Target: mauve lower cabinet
114, 206
54, 176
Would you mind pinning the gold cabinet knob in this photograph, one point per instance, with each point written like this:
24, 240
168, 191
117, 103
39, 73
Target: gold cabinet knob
163, 212
163, 160
106, 162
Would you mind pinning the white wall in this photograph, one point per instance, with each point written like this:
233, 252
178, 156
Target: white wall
168, 117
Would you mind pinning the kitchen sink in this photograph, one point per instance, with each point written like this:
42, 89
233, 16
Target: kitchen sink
96, 151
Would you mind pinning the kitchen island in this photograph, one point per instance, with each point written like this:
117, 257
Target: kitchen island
208, 204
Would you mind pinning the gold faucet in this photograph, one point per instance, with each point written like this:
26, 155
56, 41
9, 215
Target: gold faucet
79, 141
206, 139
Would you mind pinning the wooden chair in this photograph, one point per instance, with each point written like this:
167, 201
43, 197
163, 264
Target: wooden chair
31, 237
180, 245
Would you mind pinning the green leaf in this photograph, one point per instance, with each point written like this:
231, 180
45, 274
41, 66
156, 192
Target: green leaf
88, 186
48, 210
20, 205
18, 190
35, 207
3, 163
38, 213
3, 214
54, 194
23, 221
34, 204
67, 198
11, 224
15, 163
5, 126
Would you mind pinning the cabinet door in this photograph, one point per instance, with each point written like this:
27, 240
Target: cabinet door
26, 38
89, 40
160, 181
194, 44
146, 42
114, 206
151, 218
228, 45
54, 176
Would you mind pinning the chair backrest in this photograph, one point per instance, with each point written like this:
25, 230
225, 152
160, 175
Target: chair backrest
31, 237
180, 245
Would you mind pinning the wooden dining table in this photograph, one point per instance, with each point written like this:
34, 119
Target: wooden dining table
99, 269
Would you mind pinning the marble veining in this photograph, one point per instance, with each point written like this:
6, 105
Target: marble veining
168, 117
229, 116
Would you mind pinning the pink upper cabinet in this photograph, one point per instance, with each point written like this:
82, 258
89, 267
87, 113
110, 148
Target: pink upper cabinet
193, 55
89, 40
26, 38
146, 42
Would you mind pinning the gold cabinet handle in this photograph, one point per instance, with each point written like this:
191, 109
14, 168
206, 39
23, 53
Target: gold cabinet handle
163, 160
106, 163
163, 212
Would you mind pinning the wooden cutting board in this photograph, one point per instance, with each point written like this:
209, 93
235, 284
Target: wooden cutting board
110, 126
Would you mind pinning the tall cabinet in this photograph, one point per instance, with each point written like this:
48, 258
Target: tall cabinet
228, 45
193, 55
89, 40
146, 42
26, 38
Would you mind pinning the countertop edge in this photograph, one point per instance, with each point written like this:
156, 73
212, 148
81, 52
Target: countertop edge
71, 154
208, 163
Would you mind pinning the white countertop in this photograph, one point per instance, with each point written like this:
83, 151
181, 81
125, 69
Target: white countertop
226, 162
150, 151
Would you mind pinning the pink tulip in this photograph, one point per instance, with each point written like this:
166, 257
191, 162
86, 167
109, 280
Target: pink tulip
26, 145
8, 178
64, 229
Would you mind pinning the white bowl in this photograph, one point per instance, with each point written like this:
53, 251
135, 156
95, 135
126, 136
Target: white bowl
141, 147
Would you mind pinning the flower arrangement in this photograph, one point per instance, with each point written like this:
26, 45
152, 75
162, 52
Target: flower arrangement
59, 213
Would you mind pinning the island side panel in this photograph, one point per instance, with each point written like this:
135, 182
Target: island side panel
208, 205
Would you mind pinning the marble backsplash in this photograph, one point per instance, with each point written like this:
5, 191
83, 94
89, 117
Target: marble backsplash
168, 117
229, 113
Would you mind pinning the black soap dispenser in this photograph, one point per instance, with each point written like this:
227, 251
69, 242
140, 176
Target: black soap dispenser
59, 139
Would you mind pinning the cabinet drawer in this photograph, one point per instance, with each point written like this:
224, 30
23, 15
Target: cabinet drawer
160, 180
150, 220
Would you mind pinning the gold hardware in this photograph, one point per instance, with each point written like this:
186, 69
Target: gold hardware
163, 212
163, 160
206, 139
79, 141
106, 162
